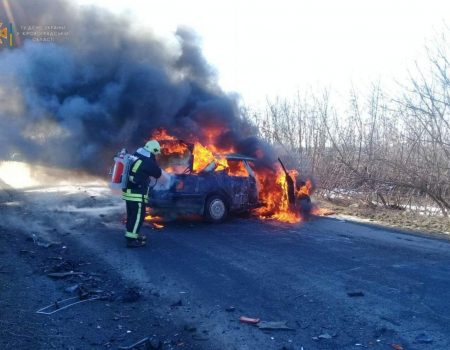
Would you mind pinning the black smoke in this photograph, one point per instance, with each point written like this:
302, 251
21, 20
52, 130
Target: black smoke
76, 101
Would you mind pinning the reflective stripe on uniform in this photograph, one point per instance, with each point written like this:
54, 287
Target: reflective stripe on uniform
129, 192
136, 166
131, 235
138, 218
128, 195
134, 197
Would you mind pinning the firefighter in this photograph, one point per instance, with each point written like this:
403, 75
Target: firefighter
136, 193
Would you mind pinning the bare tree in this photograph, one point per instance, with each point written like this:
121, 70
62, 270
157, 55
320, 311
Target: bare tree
392, 151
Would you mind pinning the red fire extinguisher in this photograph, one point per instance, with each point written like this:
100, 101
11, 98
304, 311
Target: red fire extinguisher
118, 169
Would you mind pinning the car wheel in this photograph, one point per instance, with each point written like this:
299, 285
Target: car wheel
216, 209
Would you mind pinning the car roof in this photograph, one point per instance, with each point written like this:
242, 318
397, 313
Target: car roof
237, 156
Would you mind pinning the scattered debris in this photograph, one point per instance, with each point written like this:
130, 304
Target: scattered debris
190, 328
131, 295
302, 324
199, 337
355, 294
54, 258
64, 266
64, 304
249, 320
325, 336
83, 293
274, 325
423, 338
46, 244
155, 343
230, 309
178, 303
119, 316
379, 332
43, 244
72, 289
132, 346
57, 275
390, 320
397, 346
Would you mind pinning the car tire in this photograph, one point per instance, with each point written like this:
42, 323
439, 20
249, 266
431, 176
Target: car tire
216, 209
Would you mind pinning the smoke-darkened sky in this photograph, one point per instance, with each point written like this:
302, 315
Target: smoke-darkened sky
76, 101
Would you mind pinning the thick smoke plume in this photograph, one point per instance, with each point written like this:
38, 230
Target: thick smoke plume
74, 103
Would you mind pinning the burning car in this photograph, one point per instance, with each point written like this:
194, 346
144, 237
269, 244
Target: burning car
225, 184
210, 181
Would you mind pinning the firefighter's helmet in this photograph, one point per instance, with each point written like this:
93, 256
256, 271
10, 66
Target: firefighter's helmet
153, 146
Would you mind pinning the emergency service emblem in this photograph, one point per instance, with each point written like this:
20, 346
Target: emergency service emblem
6, 36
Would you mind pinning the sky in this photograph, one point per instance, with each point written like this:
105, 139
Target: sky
279, 48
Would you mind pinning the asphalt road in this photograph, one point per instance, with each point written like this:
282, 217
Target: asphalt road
337, 284
301, 274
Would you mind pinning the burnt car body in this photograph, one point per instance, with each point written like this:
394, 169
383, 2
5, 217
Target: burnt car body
210, 193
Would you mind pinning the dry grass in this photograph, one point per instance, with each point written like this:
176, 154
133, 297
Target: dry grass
389, 217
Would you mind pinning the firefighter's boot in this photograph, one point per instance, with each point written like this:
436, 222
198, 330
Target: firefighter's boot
136, 243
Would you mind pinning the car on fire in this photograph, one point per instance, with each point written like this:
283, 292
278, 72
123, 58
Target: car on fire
213, 192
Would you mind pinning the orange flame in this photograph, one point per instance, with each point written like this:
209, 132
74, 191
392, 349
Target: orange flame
152, 218
272, 185
171, 147
155, 221
202, 157
236, 169
304, 190
323, 211
274, 195
162, 135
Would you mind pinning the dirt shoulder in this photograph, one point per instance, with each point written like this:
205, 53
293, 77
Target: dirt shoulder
346, 209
